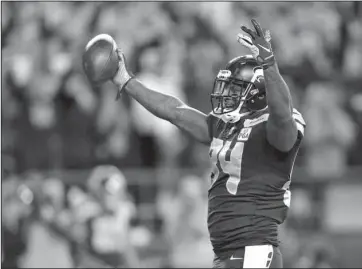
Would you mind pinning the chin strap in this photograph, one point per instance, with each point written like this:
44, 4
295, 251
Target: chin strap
235, 115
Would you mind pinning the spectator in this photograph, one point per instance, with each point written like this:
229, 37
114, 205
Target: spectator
158, 70
355, 152
185, 215
330, 130
108, 230
16, 202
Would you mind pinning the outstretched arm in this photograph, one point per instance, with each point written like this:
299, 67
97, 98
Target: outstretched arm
170, 108
164, 106
282, 129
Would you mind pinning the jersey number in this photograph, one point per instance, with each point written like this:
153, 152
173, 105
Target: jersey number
226, 158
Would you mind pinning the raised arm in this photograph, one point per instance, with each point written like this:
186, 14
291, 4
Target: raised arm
164, 106
282, 129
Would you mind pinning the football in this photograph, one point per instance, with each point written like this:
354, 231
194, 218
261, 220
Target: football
100, 60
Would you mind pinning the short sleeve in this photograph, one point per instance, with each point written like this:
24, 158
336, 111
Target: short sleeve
301, 124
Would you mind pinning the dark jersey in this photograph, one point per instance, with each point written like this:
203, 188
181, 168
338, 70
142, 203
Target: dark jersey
249, 194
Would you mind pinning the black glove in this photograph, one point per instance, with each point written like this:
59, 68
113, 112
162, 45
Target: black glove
258, 43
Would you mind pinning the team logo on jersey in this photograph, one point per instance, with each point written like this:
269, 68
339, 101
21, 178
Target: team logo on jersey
244, 134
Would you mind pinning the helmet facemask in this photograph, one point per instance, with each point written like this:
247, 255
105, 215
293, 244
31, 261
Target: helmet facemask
229, 93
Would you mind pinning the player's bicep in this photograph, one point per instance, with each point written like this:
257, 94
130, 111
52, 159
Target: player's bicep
283, 135
193, 122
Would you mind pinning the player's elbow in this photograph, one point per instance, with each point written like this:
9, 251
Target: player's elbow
205, 140
169, 110
173, 111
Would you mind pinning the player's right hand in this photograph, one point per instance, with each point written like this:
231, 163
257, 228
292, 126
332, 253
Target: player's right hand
123, 75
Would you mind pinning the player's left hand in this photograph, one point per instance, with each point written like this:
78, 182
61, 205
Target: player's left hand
259, 44
122, 76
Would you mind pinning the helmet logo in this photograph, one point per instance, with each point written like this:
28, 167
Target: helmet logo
224, 74
254, 91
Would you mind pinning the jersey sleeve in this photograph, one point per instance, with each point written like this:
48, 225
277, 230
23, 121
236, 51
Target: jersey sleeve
299, 120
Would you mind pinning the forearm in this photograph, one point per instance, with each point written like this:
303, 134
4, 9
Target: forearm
281, 127
161, 105
278, 95
165, 106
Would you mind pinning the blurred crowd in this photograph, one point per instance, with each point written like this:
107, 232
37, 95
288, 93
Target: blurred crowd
95, 222
54, 120
54, 221
178, 50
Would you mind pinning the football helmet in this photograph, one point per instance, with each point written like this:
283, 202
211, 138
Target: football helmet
239, 88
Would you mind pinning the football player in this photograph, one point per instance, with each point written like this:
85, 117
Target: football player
254, 134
